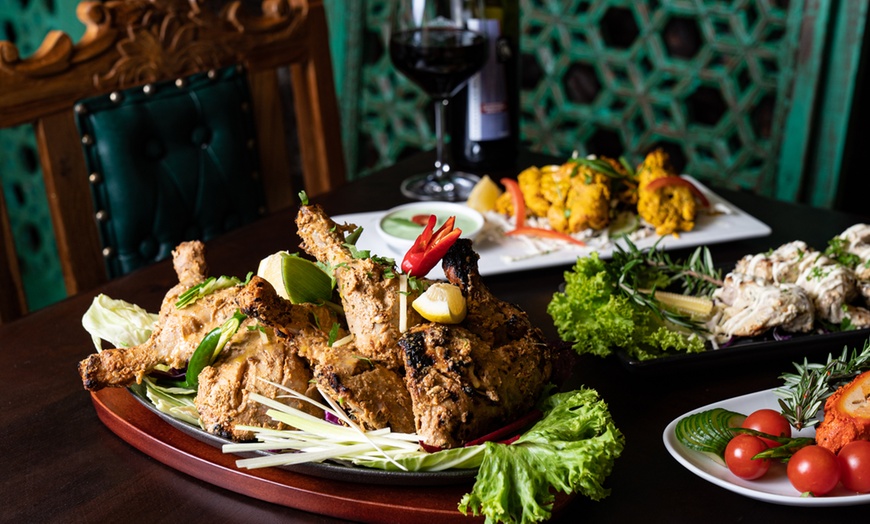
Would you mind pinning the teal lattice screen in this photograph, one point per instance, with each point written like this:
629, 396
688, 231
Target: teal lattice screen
26, 24
717, 83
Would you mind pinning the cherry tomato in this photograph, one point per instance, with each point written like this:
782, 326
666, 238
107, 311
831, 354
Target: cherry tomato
768, 421
854, 459
814, 469
739, 453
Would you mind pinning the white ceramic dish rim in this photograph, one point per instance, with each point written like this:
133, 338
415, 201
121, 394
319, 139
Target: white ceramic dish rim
774, 487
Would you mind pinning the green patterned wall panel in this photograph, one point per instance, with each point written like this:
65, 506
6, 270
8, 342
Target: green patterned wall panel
717, 83
26, 24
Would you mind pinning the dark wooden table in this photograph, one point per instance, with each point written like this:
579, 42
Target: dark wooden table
61, 464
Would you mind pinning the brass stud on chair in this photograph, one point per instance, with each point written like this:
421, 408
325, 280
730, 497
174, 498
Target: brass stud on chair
180, 83
148, 89
108, 252
80, 109
87, 140
116, 97
95, 178
102, 215
212, 74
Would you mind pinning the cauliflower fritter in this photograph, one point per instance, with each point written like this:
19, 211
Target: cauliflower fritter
572, 197
669, 208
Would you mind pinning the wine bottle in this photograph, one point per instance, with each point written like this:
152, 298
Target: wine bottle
484, 115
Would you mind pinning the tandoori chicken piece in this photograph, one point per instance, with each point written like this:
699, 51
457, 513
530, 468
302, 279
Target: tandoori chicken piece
847, 415
468, 379
253, 357
178, 331
670, 208
369, 288
370, 392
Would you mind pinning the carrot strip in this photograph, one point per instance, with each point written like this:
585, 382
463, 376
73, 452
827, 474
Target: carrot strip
517, 200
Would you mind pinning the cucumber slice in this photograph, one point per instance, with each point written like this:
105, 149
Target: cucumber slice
708, 431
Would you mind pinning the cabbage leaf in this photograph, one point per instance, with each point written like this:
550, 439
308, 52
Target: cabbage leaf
119, 323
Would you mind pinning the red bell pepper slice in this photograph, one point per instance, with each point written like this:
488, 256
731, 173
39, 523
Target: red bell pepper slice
545, 233
430, 247
679, 181
517, 199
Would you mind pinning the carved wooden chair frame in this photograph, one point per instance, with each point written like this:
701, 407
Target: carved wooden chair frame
131, 43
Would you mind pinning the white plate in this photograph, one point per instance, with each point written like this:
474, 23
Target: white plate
498, 252
774, 487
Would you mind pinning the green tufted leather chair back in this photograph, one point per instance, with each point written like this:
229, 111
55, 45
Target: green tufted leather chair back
170, 162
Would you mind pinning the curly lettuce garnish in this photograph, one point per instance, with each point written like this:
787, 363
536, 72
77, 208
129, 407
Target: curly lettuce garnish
571, 449
595, 318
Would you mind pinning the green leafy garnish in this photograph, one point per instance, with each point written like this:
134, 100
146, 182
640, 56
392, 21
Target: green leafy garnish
205, 288
804, 393
571, 449
303, 197
208, 350
604, 306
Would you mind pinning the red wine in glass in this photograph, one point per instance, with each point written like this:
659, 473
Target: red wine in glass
439, 60
431, 44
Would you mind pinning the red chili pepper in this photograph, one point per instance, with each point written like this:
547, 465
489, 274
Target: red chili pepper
678, 181
508, 434
429, 248
517, 200
545, 233
420, 220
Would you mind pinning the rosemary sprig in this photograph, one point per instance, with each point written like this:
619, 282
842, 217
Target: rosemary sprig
804, 393
640, 273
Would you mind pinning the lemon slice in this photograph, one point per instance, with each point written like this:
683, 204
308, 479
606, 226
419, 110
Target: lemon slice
483, 195
441, 303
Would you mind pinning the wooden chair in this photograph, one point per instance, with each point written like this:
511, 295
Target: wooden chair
136, 43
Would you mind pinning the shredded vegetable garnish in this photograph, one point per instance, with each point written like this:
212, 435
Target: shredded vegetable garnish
316, 439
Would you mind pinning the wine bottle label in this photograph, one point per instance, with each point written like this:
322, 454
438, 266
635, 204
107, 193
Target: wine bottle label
488, 117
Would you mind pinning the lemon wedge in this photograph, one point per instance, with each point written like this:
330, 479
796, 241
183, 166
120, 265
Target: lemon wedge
271, 269
483, 195
441, 303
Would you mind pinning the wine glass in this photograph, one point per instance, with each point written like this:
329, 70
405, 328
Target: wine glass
432, 45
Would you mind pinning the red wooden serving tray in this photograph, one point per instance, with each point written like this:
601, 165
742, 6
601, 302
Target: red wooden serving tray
138, 426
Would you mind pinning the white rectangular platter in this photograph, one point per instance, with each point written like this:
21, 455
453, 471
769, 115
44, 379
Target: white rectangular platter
501, 254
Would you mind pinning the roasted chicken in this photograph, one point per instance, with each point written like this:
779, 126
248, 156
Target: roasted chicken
223, 392
368, 288
371, 392
178, 331
468, 379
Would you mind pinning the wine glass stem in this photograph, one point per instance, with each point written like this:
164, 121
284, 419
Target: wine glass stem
441, 167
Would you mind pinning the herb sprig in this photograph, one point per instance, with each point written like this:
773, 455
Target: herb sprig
804, 393
640, 273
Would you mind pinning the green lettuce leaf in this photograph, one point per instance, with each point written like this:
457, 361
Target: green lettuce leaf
119, 323
595, 319
572, 449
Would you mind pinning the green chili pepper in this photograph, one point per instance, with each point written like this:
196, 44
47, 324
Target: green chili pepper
210, 348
